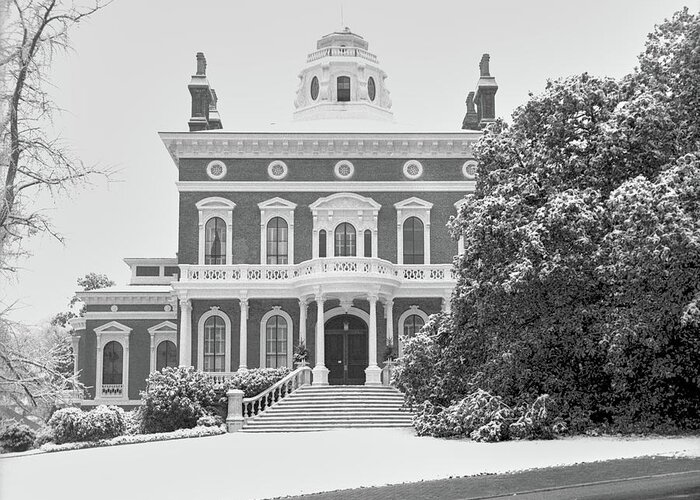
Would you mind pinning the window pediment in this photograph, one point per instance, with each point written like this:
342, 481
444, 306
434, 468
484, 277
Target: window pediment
164, 327
277, 202
215, 203
345, 201
113, 327
413, 202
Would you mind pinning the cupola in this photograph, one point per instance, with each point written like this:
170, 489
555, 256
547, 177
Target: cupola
342, 79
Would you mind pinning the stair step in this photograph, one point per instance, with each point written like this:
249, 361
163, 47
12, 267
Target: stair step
321, 428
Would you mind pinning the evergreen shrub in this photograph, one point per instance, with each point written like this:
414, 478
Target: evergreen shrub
175, 398
72, 424
17, 437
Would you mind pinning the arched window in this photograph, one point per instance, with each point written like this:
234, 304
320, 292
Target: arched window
343, 88
368, 243
371, 89
322, 243
214, 344
215, 241
277, 241
345, 240
112, 363
166, 355
413, 251
412, 325
276, 342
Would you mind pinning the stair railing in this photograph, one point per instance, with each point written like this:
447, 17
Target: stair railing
257, 404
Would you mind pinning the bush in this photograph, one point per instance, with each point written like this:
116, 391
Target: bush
17, 437
44, 436
133, 422
72, 424
210, 421
254, 381
175, 398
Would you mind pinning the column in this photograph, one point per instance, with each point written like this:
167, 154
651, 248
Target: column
75, 339
373, 372
389, 315
302, 321
185, 332
153, 352
98, 368
243, 364
447, 303
320, 372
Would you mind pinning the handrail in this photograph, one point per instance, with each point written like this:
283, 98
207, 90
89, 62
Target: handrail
257, 404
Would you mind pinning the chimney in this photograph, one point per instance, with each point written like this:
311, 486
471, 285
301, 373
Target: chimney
471, 119
204, 114
485, 97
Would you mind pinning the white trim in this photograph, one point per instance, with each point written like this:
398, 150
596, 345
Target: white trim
99, 315
469, 169
276, 311
200, 338
112, 331
409, 312
269, 209
409, 164
340, 311
339, 165
216, 163
400, 186
331, 211
111, 401
216, 207
167, 330
413, 207
277, 163
338, 144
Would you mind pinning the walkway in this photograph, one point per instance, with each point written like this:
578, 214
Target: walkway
253, 466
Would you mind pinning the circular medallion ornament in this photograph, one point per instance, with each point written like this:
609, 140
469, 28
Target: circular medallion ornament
167, 308
114, 308
412, 169
277, 170
314, 88
344, 170
216, 170
469, 169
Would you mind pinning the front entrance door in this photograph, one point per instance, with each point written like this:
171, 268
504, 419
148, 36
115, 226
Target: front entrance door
346, 350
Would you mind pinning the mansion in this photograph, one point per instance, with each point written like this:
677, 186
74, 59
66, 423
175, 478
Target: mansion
327, 232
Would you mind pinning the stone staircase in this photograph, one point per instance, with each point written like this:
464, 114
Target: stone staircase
315, 408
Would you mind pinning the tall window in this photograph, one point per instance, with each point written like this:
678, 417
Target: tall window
322, 243
412, 325
112, 363
214, 344
345, 240
166, 355
277, 241
343, 88
413, 252
215, 241
276, 342
368, 243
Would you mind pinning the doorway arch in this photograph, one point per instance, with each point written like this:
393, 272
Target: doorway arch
346, 349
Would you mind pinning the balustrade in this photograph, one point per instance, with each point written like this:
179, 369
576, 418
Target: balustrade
322, 266
341, 52
112, 390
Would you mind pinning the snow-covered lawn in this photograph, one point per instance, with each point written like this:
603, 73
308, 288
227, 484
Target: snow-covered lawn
242, 466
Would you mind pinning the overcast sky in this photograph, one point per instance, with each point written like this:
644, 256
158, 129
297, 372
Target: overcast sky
127, 79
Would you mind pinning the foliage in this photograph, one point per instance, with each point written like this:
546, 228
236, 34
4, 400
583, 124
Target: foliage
133, 422
17, 437
301, 353
175, 398
210, 421
44, 436
73, 424
579, 277
255, 380
139, 438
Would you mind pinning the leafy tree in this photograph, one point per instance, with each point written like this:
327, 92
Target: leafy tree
580, 276
91, 281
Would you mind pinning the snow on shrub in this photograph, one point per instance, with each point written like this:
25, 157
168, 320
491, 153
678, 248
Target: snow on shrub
175, 398
72, 424
255, 380
17, 437
210, 421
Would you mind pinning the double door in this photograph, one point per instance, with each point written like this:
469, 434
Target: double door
346, 356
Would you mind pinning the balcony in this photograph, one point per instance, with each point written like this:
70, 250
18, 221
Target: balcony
341, 52
332, 273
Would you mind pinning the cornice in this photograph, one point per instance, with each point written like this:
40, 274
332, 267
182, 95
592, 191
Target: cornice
280, 145
126, 298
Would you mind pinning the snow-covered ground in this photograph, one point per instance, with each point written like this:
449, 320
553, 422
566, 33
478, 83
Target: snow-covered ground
243, 466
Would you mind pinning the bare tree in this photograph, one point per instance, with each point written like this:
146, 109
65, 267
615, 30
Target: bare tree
31, 161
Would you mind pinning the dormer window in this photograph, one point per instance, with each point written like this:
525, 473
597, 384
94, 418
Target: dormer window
343, 89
